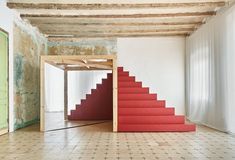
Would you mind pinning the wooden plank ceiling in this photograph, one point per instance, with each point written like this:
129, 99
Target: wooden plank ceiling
116, 18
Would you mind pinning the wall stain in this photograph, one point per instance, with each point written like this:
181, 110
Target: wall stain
18, 69
27, 51
28, 46
92, 46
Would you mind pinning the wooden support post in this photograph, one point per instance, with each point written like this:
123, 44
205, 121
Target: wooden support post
42, 94
65, 95
115, 96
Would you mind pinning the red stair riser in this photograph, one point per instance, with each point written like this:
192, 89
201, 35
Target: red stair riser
156, 128
79, 115
151, 120
120, 74
126, 79
140, 103
146, 111
122, 96
120, 69
133, 90
129, 84
73, 112
109, 75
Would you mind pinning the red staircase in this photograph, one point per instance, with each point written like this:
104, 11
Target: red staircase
138, 110
98, 105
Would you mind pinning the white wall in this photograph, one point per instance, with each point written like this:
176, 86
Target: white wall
159, 63
6, 23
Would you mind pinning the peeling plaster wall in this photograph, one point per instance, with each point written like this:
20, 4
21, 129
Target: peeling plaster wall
29, 44
89, 46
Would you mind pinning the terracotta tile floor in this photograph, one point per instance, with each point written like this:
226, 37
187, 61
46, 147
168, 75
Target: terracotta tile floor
98, 142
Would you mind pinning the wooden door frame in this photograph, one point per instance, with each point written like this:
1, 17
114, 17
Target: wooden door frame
63, 62
6, 130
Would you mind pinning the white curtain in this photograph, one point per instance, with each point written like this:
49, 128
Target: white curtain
80, 83
210, 67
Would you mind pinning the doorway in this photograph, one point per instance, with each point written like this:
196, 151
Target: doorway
4, 82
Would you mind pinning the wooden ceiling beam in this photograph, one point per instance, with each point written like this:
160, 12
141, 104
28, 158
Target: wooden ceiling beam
172, 15
83, 68
54, 38
56, 65
100, 6
81, 63
109, 63
101, 29
76, 62
100, 24
104, 32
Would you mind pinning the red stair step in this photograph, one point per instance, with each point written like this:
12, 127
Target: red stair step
120, 69
123, 74
129, 84
151, 120
109, 75
146, 111
133, 90
140, 103
126, 79
77, 107
132, 96
73, 112
156, 127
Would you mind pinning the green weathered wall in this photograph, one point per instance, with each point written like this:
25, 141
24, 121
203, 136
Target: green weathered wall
3, 80
89, 46
28, 46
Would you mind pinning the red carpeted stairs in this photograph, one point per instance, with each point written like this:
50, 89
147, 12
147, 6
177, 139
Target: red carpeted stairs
138, 110
98, 105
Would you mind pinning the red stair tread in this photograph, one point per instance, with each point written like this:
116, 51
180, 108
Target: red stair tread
129, 84
151, 120
146, 111
156, 127
126, 79
133, 96
120, 69
124, 74
133, 90
140, 103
